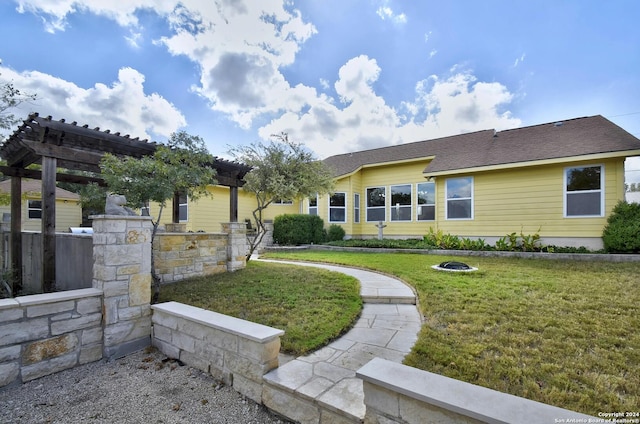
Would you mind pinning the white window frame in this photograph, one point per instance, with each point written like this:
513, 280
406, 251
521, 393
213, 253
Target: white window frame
368, 208
398, 207
312, 210
447, 199
343, 208
356, 207
34, 209
421, 205
567, 193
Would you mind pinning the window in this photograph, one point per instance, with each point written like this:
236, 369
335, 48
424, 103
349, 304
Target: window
376, 203
145, 210
459, 195
401, 202
338, 207
426, 201
282, 202
34, 209
313, 205
583, 191
183, 201
356, 207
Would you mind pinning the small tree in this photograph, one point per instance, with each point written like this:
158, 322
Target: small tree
11, 97
182, 166
281, 169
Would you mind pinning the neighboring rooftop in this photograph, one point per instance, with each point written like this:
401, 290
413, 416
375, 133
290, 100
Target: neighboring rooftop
34, 188
574, 137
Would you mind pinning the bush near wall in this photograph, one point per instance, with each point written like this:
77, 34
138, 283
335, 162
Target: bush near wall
295, 229
622, 232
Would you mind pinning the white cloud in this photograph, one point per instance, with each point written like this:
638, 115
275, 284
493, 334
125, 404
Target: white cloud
123, 106
433, 53
519, 60
362, 120
241, 48
385, 12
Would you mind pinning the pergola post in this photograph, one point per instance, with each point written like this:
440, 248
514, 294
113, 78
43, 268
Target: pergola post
48, 224
233, 204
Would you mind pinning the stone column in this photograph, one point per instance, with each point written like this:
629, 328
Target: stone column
236, 245
122, 270
267, 240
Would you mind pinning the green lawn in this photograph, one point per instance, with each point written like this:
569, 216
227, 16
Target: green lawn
312, 306
560, 332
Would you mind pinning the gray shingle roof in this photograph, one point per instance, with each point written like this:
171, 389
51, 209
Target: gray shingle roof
574, 137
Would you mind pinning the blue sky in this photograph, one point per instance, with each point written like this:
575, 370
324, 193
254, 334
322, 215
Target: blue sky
336, 75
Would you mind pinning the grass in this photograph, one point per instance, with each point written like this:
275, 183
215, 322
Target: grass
312, 306
560, 332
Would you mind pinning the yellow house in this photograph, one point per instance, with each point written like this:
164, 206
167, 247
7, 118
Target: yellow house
560, 180
68, 209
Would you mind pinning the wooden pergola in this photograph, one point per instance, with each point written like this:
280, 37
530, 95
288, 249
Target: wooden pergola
57, 145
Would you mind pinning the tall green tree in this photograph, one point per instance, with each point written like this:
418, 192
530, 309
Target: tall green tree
183, 165
281, 169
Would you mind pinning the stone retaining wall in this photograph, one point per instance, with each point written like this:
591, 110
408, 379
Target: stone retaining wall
396, 393
47, 333
233, 350
185, 255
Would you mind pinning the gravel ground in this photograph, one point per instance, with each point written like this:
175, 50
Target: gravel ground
145, 387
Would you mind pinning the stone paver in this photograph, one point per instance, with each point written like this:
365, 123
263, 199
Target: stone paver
387, 328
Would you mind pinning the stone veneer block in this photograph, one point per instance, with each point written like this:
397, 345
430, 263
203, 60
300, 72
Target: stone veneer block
9, 373
290, 406
49, 348
250, 330
12, 314
20, 332
10, 353
248, 388
50, 308
140, 290
77, 323
454, 397
40, 369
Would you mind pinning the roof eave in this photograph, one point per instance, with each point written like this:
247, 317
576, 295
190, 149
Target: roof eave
552, 161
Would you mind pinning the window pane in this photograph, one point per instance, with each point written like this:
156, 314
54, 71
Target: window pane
376, 214
338, 199
426, 213
587, 178
313, 201
336, 214
403, 213
356, 207
457, 209
427, 193
401, 195
580, 204
184, 213
375, 196
458, 188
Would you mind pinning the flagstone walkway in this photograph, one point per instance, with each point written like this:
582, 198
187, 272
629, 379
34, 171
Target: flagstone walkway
326, 379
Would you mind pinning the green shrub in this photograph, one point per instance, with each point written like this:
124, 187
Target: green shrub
622, 232
335, 233
295, 229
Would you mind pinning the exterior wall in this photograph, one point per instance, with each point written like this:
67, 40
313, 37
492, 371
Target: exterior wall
68, 214
48, 333
209, 213
527, 199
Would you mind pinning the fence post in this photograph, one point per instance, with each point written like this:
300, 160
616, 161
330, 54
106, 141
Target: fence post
122, 270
